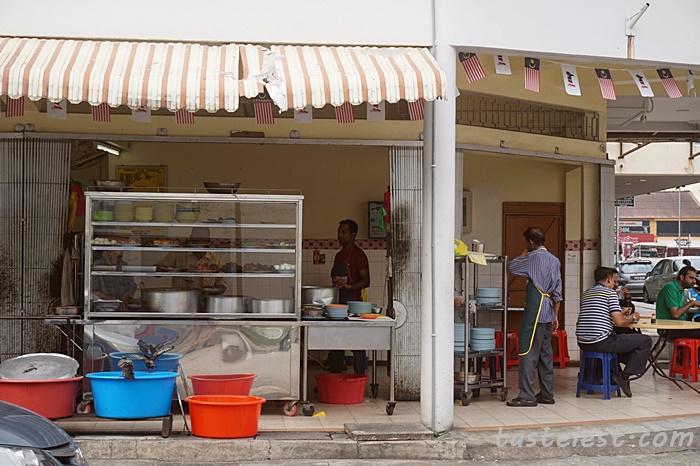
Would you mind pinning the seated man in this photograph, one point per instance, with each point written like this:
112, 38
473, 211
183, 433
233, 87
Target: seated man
670, 304
600, 310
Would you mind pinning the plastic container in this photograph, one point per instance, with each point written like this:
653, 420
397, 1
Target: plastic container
222, 384
341, 389
54, 398
164, 212
225, 416
167, 362
150, 395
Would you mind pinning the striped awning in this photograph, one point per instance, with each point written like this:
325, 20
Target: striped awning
213, 77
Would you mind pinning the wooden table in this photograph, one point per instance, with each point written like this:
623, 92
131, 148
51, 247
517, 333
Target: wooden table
664, 324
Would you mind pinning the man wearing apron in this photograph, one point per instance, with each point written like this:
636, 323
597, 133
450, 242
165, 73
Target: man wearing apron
350, 274
542, 299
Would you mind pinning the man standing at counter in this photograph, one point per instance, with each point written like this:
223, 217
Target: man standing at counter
542, 301
350, 274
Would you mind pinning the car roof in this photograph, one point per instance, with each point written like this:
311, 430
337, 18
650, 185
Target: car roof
636, 261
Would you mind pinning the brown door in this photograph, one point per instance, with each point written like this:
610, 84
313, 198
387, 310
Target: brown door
517, 217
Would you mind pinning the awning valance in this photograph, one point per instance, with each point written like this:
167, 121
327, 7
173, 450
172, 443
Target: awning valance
213, 77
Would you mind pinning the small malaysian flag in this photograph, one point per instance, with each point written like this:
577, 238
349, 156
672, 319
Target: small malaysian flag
376, 112
141, 114
15, 107
101, 113
264, 114
669, 83
472, 66
532, 74
345, 113
184, 117
607, 88
415, 109
304, 115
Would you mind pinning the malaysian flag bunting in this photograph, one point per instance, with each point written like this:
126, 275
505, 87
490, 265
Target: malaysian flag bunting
345, 113
669, 83
141, 114
502, 64
376, 112
304, 115
184, 117
690, 78
264, 114
571, 85
14, 107
101, 113
532, 74
607, 88
642, 84
472, 66
415, 109
57, 110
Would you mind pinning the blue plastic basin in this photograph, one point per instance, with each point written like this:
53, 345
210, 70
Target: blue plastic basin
149, 395
167, 362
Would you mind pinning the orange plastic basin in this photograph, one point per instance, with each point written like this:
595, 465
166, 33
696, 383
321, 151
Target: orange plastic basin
53, 398
225, 416
222, 384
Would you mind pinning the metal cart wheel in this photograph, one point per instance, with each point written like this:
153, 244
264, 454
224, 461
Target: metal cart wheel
390, 407
290, 408
466, 397
504, 393
84, 407
375, 389
167, 426
308, 410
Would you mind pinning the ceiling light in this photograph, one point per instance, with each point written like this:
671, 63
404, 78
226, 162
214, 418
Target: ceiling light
109, 149
642, 180
628, 184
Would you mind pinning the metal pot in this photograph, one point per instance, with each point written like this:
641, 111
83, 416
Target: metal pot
226, 304
171, 300
273, 306
319, 295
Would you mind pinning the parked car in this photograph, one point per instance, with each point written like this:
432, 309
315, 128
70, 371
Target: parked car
633, 274
663, 272
31, 439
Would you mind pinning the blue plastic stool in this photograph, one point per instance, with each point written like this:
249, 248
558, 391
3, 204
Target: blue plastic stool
586, 376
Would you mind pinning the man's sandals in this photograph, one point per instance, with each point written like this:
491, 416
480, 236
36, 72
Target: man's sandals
521, 402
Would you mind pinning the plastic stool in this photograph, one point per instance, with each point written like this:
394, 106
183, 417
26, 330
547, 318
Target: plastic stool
511, 360
587, 374
689, 364
561, 355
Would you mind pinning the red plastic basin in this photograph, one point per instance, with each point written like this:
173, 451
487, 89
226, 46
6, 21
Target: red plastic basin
341, 389
54, 398
222, 384
225, 416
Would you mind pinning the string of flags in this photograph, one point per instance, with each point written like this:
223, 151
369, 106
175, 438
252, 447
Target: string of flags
474, 71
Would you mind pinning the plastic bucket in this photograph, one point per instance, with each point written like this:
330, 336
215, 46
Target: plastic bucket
149, 395
225, 416
341, 389
54, 398
167, 362
222, 384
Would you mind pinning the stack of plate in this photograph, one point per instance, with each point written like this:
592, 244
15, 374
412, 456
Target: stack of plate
359, 307
103, 212
124, 211
164, 212
482, 339
143, 213
336, 311
459, 337
488, 296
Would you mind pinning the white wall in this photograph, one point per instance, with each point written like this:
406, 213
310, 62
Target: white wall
595, 28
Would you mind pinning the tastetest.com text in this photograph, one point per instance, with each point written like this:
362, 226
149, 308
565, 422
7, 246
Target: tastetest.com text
546, 438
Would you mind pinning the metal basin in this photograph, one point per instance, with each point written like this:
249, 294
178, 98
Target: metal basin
319, 295
227, 304
273, 306
171, 300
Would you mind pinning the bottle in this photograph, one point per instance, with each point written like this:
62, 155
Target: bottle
653, 318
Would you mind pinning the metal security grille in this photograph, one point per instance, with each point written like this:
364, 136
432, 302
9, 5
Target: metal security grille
526, 117
34, 177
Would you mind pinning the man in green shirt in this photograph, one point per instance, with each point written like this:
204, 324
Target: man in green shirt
670, 302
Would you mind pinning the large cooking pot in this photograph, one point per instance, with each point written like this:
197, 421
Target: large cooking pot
171, 300
273, 306
319, 295
226, 304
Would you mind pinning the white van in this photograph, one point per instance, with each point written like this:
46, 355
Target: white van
651, 251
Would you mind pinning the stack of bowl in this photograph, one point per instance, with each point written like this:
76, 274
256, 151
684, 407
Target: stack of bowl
337, 311
143, 213
482, 339
164, 212
459, 338
103, 212
186, 212
359, 307
488, 296
124, 211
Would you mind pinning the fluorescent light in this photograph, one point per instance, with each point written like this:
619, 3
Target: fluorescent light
109, 149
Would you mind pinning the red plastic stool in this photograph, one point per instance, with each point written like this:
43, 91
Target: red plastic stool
689, 364
561, 355
511, 360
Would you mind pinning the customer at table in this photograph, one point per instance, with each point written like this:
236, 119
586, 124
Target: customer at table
350, 274
670, 304
542, 300
600, 310
628, 308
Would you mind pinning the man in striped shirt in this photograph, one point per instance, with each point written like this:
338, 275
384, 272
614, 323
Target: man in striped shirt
542, 300
600, 310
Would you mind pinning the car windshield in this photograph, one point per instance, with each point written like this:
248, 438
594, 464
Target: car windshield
635, 267
695, 262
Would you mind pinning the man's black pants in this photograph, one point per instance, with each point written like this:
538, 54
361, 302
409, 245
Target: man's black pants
632, 350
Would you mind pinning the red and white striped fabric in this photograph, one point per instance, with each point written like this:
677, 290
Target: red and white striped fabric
264, 113
183, 117
101, 113
416, 109
472, 66
345, 113
15, 107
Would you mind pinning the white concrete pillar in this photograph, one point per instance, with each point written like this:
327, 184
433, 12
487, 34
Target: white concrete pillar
437, 336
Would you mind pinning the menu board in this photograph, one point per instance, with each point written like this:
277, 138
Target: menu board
147, 176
